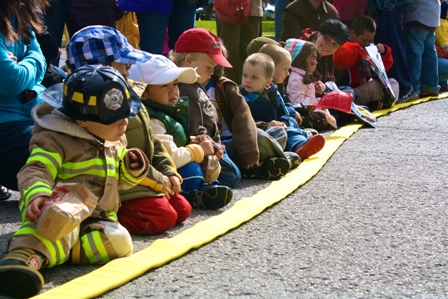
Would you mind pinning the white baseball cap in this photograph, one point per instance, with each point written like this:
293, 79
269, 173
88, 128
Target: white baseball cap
160, 70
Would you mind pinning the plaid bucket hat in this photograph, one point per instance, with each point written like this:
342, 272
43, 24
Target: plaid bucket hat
101, 44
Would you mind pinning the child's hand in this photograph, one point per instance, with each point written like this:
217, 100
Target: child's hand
381, 48
207, 147
11, 55
34, 209
136, 162
219, 153
320, 87
274, 123
175, 184
298, 118
167, 187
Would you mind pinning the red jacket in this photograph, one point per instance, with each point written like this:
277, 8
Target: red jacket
347, 56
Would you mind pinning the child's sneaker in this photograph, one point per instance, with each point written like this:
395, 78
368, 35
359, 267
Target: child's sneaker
19, 277
410, 96
270, 169
211, 197
312, 146
294, 160
4, 193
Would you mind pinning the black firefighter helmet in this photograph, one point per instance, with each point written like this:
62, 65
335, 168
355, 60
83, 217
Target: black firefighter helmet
100, 94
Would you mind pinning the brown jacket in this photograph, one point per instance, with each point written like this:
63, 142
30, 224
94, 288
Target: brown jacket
300, 14
238, 118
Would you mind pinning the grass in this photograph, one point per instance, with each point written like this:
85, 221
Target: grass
268, 26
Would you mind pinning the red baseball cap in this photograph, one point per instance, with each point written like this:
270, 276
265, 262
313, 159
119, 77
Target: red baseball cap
201, 40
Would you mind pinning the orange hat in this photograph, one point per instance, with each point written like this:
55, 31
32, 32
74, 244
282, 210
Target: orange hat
198, 40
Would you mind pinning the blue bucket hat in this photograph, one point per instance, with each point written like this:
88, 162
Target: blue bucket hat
101, 45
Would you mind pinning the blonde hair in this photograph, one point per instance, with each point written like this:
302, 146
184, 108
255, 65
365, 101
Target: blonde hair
277, 53
178, 58
266, 62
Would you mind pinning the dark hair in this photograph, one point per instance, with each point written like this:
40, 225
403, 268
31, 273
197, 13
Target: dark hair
362, 24
26, 18
301, 62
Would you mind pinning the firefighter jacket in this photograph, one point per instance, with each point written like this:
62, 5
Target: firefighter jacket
62, 151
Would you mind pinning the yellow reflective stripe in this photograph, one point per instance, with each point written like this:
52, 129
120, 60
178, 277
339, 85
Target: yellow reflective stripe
79, 97
51, 160
112, 216
87, 248
55, 258
100, 246
94, 166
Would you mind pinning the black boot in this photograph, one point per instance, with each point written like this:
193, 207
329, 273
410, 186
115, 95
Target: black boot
19, 275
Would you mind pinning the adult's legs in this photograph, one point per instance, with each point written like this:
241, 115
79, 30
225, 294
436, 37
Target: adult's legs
279, 8
443, 73
415, 45
389, 32
152, 28
183, 17
429, 78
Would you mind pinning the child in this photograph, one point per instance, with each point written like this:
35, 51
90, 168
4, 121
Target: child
347, 57
304, 83
155, 207
258, 152
199, 48
267, 105
82, 142
169, 116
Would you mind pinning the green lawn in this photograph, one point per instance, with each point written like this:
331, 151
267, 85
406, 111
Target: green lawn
268, 26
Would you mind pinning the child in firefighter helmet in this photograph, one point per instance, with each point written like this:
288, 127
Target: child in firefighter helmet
78, 146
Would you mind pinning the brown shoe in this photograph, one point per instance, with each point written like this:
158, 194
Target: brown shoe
312, 146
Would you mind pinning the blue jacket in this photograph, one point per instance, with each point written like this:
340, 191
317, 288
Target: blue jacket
385, 4
17, 77
269, 106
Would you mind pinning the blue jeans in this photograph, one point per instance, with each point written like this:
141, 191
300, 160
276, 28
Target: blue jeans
192, 178
389, 31
278, 19
296, 138
153, 26
422, 59
443, 71
230, 175
14, 152
55, 19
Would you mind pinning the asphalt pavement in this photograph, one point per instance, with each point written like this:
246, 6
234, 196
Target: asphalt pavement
371, 224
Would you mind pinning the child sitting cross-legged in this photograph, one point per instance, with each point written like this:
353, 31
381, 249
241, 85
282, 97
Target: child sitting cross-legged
267, 105
81, 143
169, 122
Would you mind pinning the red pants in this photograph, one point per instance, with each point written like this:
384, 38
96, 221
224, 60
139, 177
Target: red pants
153, 215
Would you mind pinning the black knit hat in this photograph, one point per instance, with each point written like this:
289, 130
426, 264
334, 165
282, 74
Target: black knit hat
443, 10
336, 30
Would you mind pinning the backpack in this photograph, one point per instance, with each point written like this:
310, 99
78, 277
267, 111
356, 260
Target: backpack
233, 11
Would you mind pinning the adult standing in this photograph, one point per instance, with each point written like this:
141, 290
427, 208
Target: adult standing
56, 17
157, 18
236, 38
420, 19
390, 32
349, 10
278, 16
22, 67
302, 14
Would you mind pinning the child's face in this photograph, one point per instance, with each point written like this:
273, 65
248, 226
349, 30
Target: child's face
121, 67
254, 78
112, 132
364, 39
166, 94
282, 70
325, 45
311, 62
204, 67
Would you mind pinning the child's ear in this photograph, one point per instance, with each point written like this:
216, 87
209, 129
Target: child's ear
188, 59
352, 34
269, 81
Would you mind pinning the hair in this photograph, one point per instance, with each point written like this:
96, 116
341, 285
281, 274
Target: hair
264, 60
218, 70
276, 52
178, 58
26, 18
362, 24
